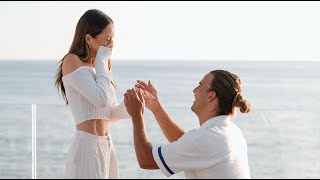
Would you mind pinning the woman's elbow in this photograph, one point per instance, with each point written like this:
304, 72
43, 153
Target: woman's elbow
101, 101
101, 104
104, 101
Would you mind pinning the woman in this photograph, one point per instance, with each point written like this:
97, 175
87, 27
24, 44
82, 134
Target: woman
84, 78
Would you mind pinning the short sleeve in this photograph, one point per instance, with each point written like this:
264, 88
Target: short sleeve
190, 152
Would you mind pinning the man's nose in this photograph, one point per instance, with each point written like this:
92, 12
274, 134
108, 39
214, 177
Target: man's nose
194, 90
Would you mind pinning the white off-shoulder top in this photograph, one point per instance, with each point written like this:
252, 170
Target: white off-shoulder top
90, 93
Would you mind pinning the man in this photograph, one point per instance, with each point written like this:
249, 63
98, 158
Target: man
215, 150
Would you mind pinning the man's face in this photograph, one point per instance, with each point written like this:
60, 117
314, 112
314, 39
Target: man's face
202, 93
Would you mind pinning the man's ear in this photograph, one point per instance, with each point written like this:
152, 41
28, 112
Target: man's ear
212, 96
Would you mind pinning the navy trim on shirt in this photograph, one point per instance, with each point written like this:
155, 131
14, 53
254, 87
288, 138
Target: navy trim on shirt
163, 162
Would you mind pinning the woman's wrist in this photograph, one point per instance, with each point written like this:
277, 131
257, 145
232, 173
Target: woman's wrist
101, 62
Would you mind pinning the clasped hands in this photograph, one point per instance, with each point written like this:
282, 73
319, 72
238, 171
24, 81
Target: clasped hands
141, 96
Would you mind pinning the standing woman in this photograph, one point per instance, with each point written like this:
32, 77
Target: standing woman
84, 78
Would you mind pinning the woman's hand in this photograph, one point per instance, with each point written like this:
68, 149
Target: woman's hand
105, 51
110, 44
134, 102
150, 94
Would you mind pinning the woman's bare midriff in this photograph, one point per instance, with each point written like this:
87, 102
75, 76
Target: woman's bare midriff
96, 127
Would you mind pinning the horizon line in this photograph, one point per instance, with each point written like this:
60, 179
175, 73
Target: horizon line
165, 60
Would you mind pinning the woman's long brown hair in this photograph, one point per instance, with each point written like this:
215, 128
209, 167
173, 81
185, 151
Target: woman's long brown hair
91, 22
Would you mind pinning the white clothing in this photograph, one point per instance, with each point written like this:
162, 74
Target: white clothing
217, 149
91, 95
91, 157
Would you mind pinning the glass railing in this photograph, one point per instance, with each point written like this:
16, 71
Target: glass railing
281, 143
15, 141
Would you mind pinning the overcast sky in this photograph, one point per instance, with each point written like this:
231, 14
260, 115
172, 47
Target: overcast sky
168, 30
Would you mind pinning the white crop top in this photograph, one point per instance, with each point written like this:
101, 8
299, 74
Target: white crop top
90, 94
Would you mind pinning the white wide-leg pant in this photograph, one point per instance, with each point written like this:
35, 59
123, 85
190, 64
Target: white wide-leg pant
91, 157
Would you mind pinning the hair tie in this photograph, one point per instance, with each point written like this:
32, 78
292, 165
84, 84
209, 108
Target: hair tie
234, 103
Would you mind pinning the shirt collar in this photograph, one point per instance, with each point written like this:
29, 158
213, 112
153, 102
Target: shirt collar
215, 120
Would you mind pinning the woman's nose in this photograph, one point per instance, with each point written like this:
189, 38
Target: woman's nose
111, 44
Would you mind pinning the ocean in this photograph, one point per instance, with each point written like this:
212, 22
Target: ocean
282, 130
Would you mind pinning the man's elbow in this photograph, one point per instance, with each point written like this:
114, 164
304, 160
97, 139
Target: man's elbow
147, 165
143, 165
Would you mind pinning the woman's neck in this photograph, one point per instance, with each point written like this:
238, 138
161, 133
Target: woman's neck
90, 62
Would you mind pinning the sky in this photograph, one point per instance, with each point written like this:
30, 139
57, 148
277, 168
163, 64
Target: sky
255, 31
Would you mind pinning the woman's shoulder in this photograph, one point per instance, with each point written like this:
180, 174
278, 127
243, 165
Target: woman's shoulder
71, 63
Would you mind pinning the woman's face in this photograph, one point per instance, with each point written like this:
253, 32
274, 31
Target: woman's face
105, 38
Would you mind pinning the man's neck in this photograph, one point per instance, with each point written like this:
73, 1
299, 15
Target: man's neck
206, 117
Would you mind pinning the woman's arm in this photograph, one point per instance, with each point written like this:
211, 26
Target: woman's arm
119, 111
96, 90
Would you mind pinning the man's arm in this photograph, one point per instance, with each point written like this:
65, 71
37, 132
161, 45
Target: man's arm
142, 145
135, 106
171, 130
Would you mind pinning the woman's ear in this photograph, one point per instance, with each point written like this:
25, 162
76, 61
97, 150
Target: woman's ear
88, 40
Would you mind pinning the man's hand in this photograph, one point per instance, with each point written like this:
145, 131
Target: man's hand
134, 102
151, 103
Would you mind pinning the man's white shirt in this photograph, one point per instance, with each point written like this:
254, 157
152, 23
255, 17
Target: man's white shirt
217, 149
